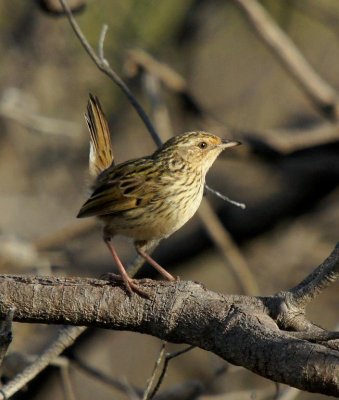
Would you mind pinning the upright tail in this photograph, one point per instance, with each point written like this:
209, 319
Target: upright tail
100, 152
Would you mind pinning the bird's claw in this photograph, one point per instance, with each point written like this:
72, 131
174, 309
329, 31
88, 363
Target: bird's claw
130, 285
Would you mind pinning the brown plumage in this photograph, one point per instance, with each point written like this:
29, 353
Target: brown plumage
148, 198
100, 152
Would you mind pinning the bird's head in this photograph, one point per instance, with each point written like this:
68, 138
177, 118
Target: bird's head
198, 149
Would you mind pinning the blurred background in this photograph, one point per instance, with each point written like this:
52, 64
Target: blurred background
193, 64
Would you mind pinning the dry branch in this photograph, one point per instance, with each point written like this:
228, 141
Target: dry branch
249, 331
104, 66
287, 141
320, 92
65, 339
284, 141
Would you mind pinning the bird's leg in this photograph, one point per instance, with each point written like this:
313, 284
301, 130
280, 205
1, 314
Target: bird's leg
129, 283
151, 261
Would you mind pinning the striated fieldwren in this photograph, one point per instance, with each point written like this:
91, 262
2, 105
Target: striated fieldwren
147, 198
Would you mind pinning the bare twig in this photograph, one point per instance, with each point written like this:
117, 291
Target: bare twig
185, 390
103, 65
228, 249
102, 377
319, 91
15, 105
164, 358
65, 339
159, 111
223, 197
315, 283
147, 394
286, 141
101, 43
139, 59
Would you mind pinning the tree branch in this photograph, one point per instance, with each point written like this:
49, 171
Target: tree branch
241, 329
315, 283
104, 66
319, 91
65, 339
286, 141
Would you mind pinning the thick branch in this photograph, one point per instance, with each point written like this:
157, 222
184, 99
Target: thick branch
237, 328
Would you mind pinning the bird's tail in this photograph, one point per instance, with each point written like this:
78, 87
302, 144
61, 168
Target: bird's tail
100, 152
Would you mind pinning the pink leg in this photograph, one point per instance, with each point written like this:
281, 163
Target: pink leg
130, 285
154, 264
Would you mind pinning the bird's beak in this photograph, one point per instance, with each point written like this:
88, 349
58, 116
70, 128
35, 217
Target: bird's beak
225, 143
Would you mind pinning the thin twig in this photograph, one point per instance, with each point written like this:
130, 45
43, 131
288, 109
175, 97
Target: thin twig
286, 141
318, 90
101, 43
159, 111
138, 59
317, 281
66, 382
225, 198
102, 377
15, 105
104, 66
168, 357
147, 394
66, 338
228, 249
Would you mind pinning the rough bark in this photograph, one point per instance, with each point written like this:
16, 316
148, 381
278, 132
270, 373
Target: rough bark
240, 329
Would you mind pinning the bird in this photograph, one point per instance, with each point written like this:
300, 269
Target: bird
147, 198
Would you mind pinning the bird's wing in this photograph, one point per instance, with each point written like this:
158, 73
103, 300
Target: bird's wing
122, 188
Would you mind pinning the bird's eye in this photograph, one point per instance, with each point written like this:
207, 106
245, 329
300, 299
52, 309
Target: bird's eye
202, 145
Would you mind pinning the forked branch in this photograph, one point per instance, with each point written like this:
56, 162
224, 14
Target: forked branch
249, 331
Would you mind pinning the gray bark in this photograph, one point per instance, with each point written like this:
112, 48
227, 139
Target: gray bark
241, 329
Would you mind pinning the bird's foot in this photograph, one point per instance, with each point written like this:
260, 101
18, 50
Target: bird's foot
131, 285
